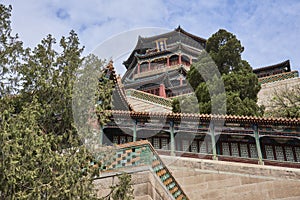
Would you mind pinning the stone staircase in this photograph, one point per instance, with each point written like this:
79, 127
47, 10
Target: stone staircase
157, 177
167, 179
199, 183
136, 156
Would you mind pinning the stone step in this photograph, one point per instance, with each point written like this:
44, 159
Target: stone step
207, 184
204, 178
144, 197
246, 190
182, 173
289, 198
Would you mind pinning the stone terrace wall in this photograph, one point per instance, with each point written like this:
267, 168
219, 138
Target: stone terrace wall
267, 90
145, 185
208, 179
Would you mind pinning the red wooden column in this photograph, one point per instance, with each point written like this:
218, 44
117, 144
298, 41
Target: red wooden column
179, 59
162, 91
180, 79
139, 68
191, 60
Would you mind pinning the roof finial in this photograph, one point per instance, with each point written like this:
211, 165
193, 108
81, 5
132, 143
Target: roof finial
178, 29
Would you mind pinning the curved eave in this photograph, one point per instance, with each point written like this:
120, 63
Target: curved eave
120, 92
131, 57
155, 79
208, 117
282, 64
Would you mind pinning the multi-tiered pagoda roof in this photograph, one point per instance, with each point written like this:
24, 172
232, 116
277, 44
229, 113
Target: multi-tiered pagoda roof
158, 64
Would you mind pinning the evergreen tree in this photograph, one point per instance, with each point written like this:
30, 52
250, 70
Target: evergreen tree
41, 154
231, 72
32, 163
11, 50
49, 76
123, 190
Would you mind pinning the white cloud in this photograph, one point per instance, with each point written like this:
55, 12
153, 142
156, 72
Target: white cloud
269, 30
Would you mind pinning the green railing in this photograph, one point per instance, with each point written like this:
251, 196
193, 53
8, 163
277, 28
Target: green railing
278, 77
149, 97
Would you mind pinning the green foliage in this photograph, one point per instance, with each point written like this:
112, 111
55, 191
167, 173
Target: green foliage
30, 167
123, 190
185, 104
10, 52
176, 106
41, 153
49, 76
225, 50
285, 103
222, 68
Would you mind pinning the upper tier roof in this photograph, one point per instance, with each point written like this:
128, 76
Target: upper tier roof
268, 70
178, 35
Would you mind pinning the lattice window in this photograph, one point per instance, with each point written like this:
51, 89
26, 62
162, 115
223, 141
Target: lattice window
269, 152
235, 149
225, 149
115, 140
156, 143
253, 151
122, 139
185, 145
244, 150
297, 151
161, 44
279, 153
194, 147
164, 143
202, 146
289, 153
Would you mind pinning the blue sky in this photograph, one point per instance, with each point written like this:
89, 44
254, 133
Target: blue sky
269, 30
